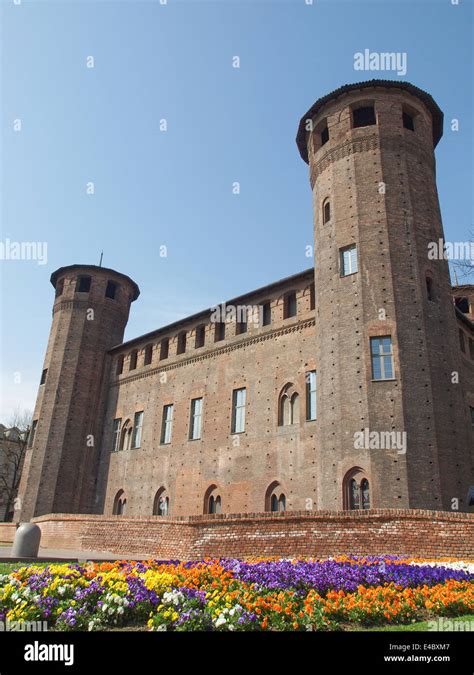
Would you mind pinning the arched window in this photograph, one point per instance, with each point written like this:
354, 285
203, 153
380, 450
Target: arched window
356, 490
120, 503
126, 436
275, 499
326, 211
161, 503
288, 406
212, 500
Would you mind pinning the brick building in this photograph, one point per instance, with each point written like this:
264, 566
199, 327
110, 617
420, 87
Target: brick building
347, 386
13, 443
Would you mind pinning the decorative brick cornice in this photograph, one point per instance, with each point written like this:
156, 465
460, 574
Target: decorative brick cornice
218, 351
366, 144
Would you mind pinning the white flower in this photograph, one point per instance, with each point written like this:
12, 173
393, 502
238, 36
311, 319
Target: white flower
161, 628
120, 610
111, 610
90, 625
61, 590
104, 607
220, 620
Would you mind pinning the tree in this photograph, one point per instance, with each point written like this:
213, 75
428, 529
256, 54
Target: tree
464, 269
12, 455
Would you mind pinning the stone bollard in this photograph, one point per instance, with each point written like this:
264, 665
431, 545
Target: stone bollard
27, 541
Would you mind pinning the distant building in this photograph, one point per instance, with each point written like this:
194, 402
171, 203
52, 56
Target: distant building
12, 455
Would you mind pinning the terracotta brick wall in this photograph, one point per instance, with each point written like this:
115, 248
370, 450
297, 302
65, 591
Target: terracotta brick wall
301, 533
7, 533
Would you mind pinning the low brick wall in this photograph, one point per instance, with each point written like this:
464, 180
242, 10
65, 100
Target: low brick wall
301, 533
7, 533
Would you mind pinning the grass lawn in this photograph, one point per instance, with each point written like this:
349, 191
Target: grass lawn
418, 626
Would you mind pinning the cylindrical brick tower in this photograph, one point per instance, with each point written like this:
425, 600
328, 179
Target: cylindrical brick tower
90, 313
388, 358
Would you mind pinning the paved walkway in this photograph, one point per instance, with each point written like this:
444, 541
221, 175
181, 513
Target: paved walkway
69, 554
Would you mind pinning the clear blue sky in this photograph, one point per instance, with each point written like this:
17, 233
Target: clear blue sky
224, 125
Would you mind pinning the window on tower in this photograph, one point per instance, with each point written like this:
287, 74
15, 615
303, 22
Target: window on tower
430, 289
408, 121
381, 351
59, 287
326, 211
43, 376
348, 260
83, 285
363, 116
31, 437
111, 290
324, 135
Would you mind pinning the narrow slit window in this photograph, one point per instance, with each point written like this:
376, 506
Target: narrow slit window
111, 290
164, 349
290, 306
148, 355
408, 121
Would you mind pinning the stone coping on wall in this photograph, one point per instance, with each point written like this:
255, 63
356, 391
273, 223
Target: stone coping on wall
382, 514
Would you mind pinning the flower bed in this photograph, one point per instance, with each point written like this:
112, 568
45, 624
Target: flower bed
230, 594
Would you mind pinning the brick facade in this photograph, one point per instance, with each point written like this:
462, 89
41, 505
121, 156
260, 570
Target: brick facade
380, 183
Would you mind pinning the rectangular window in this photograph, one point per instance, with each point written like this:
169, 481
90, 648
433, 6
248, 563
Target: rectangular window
472, 415
471, 348
110, 290
59, 287
167, 424
195, 421
324, 135
137, 429
219, 333
31, 438
382, 358
266, 314
238, 410
462, 341
43, 376
120, 365
116, 434
290, 305
240, 327
164, 349
181, 343
311, 395
148, 355
200, 336
348, 260
83, 285
364, 116
133, 360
